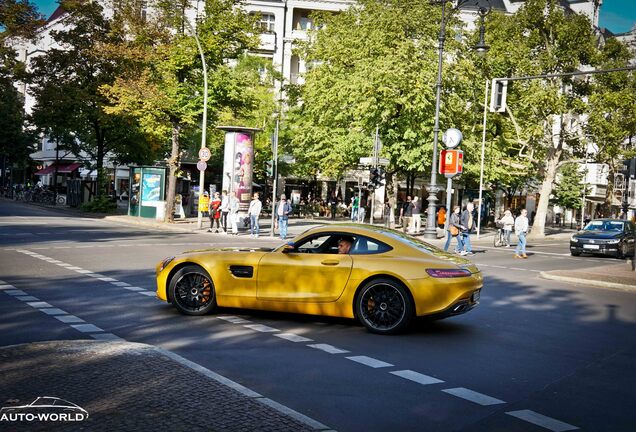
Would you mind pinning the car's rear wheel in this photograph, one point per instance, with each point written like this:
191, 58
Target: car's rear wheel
384, 306
192, 291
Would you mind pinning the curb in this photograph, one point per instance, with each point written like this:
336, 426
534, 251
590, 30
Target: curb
588, 282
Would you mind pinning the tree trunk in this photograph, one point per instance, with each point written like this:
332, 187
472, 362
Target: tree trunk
99, 138
173, 165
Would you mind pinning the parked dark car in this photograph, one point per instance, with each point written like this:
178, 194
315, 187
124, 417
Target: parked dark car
613, 237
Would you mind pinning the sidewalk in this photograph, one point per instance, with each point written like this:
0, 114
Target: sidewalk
130, 387
619, 276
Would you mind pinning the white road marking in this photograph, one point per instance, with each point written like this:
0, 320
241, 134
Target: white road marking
84, 271
133, 288
107, 279
27, 298
293, 414
293, 337
234, 319
369, 361
38, 305
261, 328
328, 348
69, 319
53, 311
120, 284
66, 265
543, 421
74, 268
86, 328
416, 377
147, 293
6, 286
62, 247
473, 396
16, 292
96, 275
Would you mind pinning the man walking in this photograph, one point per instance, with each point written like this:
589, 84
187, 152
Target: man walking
521, 230
416, 215
406, 213
254, 212
283, 211
468, 222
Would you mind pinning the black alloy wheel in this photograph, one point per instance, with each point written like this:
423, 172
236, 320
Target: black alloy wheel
192, 291
384, 307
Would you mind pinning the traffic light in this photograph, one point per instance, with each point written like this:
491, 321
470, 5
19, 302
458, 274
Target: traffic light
269, 168
498, 96
376, 178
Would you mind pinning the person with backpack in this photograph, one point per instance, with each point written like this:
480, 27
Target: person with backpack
454, 228
467, 222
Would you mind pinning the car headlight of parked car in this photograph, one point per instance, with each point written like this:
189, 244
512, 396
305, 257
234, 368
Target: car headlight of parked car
574, 239
614, 241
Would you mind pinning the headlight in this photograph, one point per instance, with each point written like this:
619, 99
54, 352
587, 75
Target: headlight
614, 241
573, 239
165, 263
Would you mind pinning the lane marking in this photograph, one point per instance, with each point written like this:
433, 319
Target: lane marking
261, 328
38, 305
68, 319
133, 288
6, 286
53, 311
27, 298
16, 292
234, 319
473, 396
328, 348
86, 328
541, 420
106, 336
84, 271
293, 337
107, 279
120, 284
293, 414
147, 293
416, 377
369, 361
74, 268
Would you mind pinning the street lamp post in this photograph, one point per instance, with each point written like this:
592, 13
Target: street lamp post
431, 229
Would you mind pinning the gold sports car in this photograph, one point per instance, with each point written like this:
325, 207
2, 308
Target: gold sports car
384, 278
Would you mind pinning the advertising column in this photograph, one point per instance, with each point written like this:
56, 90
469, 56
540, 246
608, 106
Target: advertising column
238, 163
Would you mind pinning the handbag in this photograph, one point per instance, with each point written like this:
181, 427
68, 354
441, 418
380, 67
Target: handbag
454, 230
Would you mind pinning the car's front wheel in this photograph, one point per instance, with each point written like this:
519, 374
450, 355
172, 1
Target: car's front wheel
384, 306
192, 291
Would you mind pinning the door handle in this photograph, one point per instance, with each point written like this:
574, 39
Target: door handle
330, 262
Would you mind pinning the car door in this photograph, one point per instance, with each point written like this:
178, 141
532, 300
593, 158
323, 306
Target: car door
310, 272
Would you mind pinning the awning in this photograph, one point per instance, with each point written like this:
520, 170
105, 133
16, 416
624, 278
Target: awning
62, 168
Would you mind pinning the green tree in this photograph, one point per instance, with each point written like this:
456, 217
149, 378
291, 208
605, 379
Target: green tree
541, 39
66, 83
569, 187
162, 86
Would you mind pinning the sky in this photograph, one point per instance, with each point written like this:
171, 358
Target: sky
618, 16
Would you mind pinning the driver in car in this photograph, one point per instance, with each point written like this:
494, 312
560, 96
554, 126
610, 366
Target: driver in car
344, 245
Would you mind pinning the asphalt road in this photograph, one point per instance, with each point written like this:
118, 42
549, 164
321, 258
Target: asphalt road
536, 355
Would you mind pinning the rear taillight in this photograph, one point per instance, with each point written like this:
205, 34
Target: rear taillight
448, 273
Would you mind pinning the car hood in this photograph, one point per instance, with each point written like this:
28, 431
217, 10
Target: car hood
600, 235
230, 249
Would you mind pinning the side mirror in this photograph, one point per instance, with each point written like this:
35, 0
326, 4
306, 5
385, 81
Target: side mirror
289, 247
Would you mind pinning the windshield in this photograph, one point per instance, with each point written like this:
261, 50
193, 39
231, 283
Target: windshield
600, 225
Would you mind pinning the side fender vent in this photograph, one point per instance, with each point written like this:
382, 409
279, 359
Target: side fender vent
242, 271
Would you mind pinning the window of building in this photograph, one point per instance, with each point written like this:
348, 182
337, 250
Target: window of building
266, 22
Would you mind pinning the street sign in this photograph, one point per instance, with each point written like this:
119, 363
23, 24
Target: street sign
204, 155
201, 165
452, 137
366, 161
370, 162
451, 162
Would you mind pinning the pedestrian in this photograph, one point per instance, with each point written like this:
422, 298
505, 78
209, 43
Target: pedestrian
406, 213
467, 221
507, 224
354, 209
441, 217
283, 211
416, 215
233, 208
454, 228
521, 230
215, 212
333, 203
225, 209
254, 212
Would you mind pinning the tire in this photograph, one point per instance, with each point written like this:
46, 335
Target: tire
575, 253
192, 291
384, 306
623, 251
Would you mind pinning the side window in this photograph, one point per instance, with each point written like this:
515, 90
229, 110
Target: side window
313, 245
368, 246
